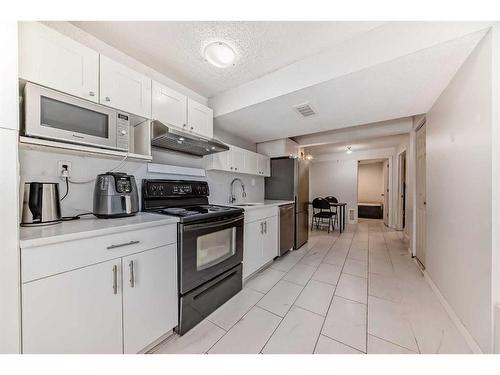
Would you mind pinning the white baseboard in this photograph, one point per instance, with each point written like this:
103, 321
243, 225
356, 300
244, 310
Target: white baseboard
474, 347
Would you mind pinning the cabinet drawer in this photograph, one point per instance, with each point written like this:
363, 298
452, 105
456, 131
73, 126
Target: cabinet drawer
43, 261
260, 213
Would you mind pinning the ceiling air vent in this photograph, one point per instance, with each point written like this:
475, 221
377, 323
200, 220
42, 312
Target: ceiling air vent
304, 109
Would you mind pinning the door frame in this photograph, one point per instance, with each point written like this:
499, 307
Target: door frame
401, 219
416, 233
387, 194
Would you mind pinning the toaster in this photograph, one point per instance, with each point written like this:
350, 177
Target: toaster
115, 195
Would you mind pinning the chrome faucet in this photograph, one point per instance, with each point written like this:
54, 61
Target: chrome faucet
232, 197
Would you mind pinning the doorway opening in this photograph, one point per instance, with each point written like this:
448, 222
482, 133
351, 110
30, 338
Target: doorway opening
373, 188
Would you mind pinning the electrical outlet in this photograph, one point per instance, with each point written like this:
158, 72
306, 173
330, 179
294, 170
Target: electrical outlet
64, 169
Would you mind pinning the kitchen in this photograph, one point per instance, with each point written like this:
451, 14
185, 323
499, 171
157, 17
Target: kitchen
61, 146
160, 180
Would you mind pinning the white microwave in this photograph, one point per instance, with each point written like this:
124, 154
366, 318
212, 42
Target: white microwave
52, 115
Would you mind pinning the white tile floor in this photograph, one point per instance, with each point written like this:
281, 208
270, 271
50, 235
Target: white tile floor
358, 292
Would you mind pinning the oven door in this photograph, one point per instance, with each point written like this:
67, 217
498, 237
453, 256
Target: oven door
54, 115
207, 249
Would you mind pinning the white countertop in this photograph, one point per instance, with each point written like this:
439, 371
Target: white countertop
88, 226
257, 205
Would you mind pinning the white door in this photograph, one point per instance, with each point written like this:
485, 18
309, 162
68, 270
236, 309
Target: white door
251, 162
421, 197
237, 162
200, 119
51, 59
169, 106
74, 312
270, 241
385, 176
252, 252
123, 88
149, 296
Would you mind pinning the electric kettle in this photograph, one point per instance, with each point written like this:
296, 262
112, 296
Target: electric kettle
41, 205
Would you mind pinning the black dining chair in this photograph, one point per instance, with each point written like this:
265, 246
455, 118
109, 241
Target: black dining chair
322, 211
332, 199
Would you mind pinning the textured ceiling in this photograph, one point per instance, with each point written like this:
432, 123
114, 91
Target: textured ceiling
174, 47
358, 145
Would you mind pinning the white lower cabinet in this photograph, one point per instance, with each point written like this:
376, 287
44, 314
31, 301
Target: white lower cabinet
74, 312
261, 244
90, 303
149, 296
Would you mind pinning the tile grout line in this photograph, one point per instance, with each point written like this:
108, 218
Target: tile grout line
255, 305
333, 295
293, 304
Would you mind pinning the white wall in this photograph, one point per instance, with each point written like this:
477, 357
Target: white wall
42, 166
459, 183
9, 230
336, 174
370, 182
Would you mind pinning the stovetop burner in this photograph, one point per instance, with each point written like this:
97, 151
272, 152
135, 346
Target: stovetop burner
193, 210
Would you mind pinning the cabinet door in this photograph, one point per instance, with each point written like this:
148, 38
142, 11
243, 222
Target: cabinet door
149, 296
252, 252
78, 311
220, 161
123, 88
200, 119
264, 167
270, 239
51, 59
237, 159
251, 162
169, 106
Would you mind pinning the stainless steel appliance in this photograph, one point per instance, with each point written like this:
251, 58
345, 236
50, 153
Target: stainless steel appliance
290, 181
287, 233
41, 204
169, 138
53, 115
115, 195
209, 246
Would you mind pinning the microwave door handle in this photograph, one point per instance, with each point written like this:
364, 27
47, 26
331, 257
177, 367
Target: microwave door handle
128, 204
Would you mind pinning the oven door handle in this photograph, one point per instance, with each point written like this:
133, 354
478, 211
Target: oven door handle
190, 227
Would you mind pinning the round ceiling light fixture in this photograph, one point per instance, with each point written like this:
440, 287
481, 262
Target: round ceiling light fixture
349, 151
219, 54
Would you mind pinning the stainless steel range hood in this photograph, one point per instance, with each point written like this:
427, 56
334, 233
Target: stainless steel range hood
168, 138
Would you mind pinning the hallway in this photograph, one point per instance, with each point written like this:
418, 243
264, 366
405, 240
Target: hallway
358, 292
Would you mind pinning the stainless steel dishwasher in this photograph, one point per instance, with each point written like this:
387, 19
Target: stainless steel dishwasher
287, 228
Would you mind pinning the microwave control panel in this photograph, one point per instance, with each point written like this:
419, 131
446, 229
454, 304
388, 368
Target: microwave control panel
122, 131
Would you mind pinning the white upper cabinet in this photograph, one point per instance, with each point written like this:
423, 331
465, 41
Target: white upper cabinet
252, 163
124, 88
239, 160
51, 59
264, 165
169, 106
200, 119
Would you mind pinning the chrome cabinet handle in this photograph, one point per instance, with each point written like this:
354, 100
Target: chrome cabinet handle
261, 227
115, 279
191, 128
132, 277
265, 226
123, 244
184, 125
107, 99
91, 93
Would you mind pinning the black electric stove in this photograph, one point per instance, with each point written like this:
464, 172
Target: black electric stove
209, 245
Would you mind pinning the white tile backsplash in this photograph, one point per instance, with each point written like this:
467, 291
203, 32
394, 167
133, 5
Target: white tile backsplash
36, 165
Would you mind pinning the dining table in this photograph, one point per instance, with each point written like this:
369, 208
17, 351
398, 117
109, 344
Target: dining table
341, 213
